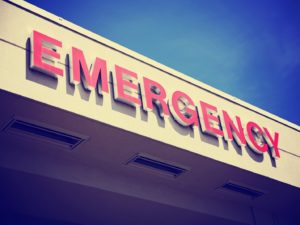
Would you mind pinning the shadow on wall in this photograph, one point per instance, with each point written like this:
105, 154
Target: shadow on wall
185, 131
254, 156
9, 218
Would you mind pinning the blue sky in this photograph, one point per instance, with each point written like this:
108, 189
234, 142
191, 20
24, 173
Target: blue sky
249, 49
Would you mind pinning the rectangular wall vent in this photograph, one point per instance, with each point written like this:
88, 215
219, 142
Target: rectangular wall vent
157, 165
234, 187
41, 132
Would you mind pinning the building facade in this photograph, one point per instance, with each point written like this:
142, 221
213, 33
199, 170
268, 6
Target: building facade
94, 133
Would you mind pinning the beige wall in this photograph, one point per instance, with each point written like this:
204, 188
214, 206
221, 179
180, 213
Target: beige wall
17, 78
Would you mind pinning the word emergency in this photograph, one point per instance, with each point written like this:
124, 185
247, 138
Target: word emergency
128, 87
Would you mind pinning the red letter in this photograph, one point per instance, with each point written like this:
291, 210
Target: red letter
231, 131
273, 143
78, 66
126, 90
154, 93
256, 142
183, 109
44, 54
209, 121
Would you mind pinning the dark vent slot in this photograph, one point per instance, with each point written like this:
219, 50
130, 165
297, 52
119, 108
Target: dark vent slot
242, 190
163, 167
22, 127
